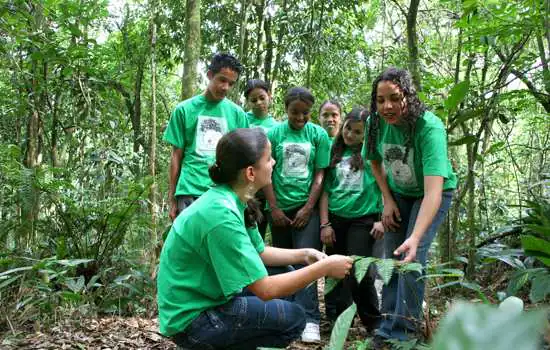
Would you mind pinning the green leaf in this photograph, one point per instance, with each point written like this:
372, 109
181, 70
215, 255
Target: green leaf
330, 284
537, 247
17, 269
540, 287
385, 269
8, 282
411, 267
479, 327
73, 262
341, 328
517, 281
457, 95
76, 286
361, 267
466, 140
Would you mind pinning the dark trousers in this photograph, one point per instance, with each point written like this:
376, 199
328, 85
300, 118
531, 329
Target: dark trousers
307, 237
353, 238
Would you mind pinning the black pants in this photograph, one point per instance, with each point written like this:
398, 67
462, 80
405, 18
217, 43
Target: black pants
353, 238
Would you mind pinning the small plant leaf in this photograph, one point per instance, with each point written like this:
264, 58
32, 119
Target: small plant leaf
341, 328
361, 267
385, 269
330, 284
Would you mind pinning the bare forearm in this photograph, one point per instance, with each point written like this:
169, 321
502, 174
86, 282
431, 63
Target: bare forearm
285, 284
323, 208
316, 189
427, 212
173, 175
270, 196
272, 256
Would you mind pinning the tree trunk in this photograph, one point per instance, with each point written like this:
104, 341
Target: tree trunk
280, 35
260, 7
412, 43
192, 48
153, 207
268, 50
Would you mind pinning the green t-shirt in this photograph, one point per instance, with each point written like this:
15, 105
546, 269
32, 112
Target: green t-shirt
196, 126
266, 124
352, 194
298, 154
204, 262
427, 157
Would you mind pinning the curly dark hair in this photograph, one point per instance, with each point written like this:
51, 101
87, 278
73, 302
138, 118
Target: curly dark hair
415, 108
357, 114
225, 60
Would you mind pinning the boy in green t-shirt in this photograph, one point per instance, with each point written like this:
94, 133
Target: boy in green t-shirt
195, 127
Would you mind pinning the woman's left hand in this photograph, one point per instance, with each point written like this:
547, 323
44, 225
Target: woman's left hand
408, 248
302, 217
377, 230
313, 255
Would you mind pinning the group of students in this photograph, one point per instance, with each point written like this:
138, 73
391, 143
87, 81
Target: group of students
382, 173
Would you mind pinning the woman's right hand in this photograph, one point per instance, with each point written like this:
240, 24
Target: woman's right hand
391, 216
279, 218
328, 237
338, 266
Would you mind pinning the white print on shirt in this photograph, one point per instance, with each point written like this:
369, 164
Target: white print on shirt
402, 173
209, 131
295, 159
348, 179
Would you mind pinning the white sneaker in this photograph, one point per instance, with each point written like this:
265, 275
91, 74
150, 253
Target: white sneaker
311, 333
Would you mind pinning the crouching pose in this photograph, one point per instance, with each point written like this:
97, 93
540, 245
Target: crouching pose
214, 291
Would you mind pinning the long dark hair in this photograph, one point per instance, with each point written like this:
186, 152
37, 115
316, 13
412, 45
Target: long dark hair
235, 151
357, 114
415, 108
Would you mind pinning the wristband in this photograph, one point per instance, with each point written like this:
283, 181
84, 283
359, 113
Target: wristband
325, 225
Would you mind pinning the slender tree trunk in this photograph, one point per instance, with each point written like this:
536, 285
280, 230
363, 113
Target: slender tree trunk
268, 50
192, 49
260, 7
412, 43
280, 36
153, 207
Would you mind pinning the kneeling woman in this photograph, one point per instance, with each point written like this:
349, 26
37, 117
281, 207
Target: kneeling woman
214, 291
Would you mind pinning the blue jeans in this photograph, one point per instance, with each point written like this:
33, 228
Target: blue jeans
402, 297
245, 322
307, 237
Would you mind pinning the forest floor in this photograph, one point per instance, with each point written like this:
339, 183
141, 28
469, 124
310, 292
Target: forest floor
111, 332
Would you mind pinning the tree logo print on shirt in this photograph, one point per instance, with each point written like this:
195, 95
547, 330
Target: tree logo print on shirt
402, 173
348, 179
295, 159
209, 131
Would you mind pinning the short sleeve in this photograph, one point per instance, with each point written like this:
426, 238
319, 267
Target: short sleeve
234, 257
322, 158
175, 131
256, 239
243, 119
433, 145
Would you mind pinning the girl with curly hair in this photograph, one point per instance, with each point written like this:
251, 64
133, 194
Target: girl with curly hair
417, 191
